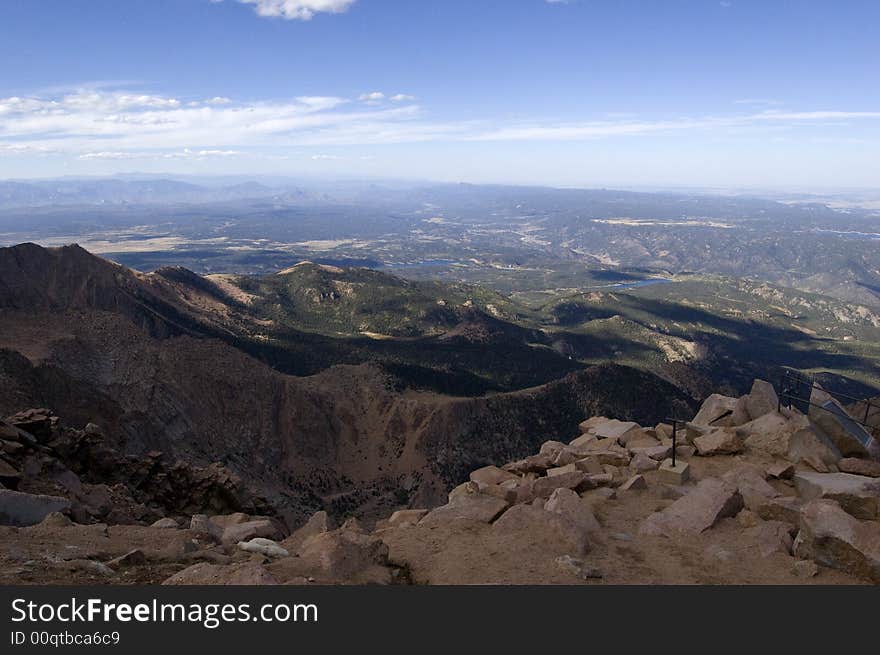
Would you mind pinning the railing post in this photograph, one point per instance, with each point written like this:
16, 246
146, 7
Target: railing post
674, 435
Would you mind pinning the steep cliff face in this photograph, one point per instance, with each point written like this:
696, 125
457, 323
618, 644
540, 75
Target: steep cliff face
98, 343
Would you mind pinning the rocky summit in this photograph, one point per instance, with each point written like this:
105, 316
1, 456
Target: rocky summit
755, 495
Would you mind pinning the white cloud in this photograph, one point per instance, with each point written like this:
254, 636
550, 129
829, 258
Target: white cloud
402, 97
372, 98
298, 9
107, 125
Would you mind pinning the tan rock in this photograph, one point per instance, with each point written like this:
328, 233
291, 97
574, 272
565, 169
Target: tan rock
562, 470
582, 441
700, 509
617, 430
642, 463
203, 573
769, 537
551, 448
474, 507
762, 399
811, 447
720, 441
659, 452
406, 517
568, 504
589, 465
523, 521
636, 482
490, 475
544, 487
771, 433
866, 467
593, 421
858, 495
166, 524
318, 523
783, 508
532, 464
833, 538
781, 470
246, 531
752, 486
715, 411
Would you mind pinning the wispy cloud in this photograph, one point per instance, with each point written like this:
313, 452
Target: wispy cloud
298, 9
107, 125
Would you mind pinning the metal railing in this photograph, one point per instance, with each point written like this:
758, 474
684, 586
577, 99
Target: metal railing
794, 383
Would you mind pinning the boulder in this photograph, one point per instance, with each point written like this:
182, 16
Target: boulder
344, 553
762, 399
780, 470
715, 411
771, 433
406, 517
782, 508
698, 510
56, 520
203, 527
474, 507
720, 441
561, 470
318, 523
21, 509
203, 573
636, 482
639, 440
490, 475
849, 438
566, 456
659, 452
857, 494
569, 505
769, 537
582, 441
551, 448
544, 487
586, 426
749, 481
225, 520
232, 534
833, 538
642, 463
524, 522
615, 456
809, 446
166, 524
266, 547
576, 567
589, 465
864, 467
532, 464
740, 413
617, 430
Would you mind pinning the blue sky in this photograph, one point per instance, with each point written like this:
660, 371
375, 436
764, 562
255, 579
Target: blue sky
579, 93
